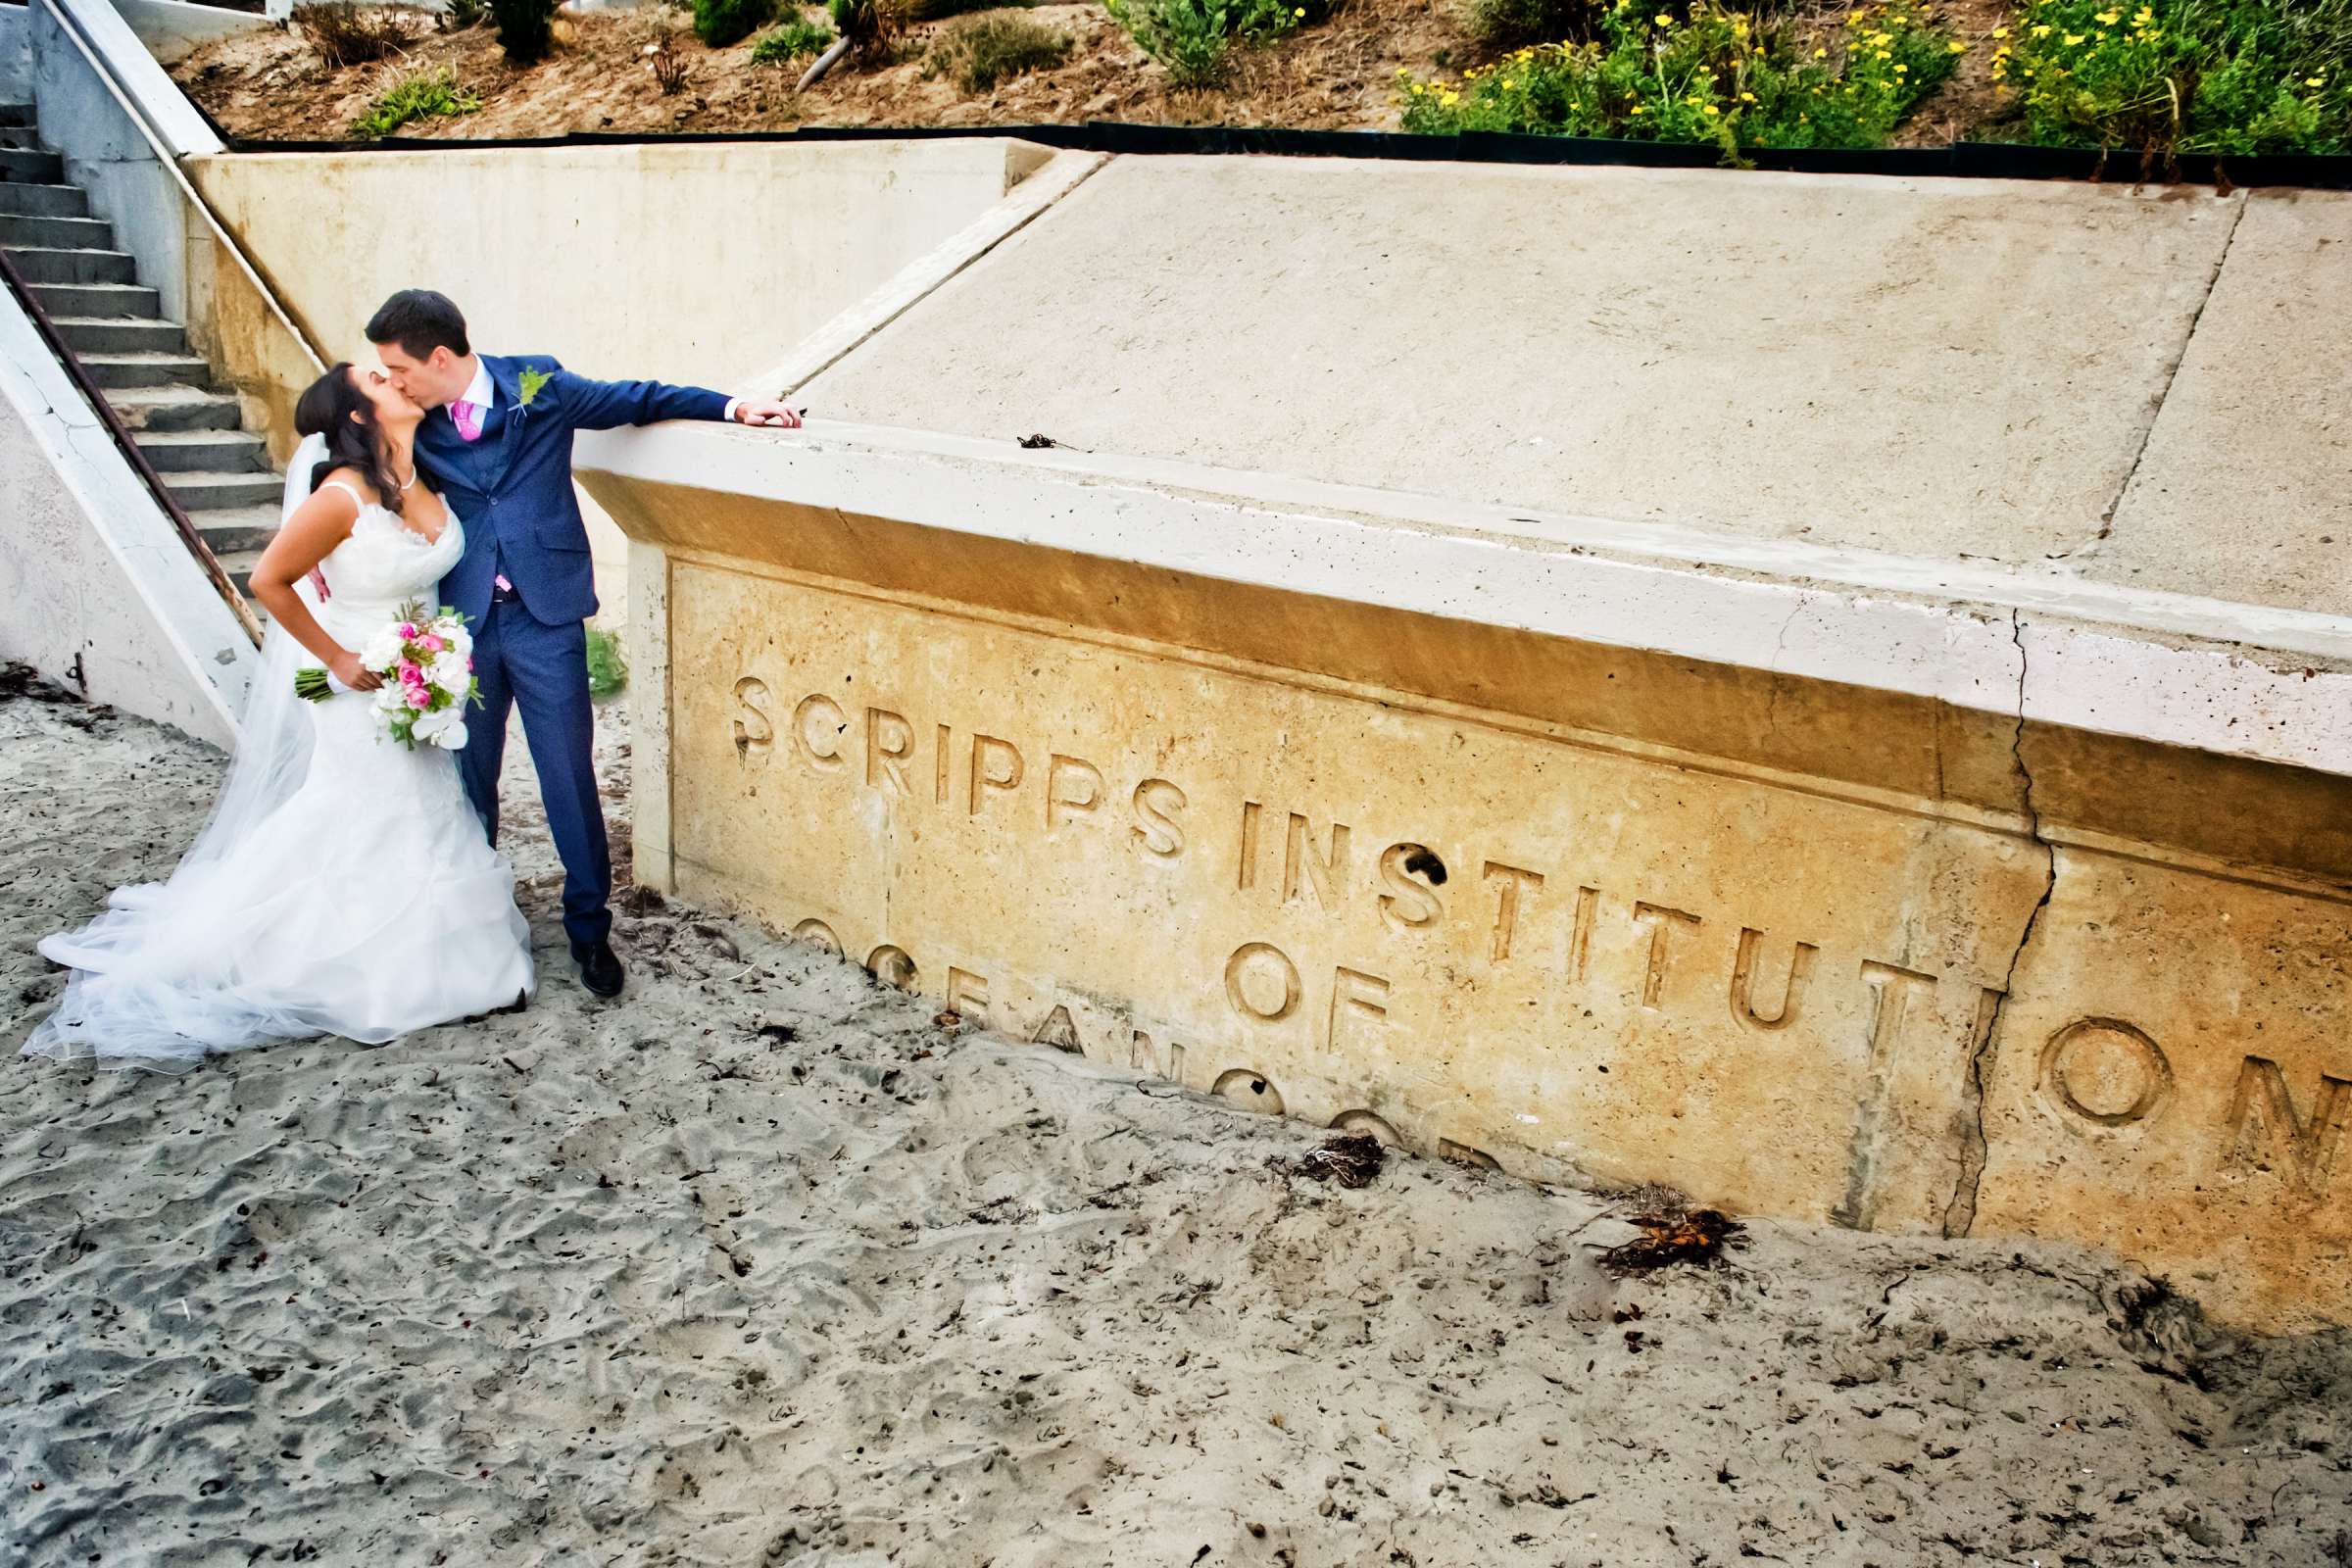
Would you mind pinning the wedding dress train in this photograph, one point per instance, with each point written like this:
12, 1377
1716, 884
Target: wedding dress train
343, 885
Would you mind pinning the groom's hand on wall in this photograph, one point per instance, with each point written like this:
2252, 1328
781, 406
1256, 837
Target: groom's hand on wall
748, 411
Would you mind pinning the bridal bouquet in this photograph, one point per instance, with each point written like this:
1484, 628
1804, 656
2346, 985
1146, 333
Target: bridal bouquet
427, 666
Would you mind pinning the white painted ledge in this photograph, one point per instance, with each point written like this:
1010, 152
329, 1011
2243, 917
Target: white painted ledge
2239, 680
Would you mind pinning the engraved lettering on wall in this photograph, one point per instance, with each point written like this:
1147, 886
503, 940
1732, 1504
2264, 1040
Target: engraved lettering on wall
755, 731
996, 766
2105, 1072
1359, 1001
1073, 789
888, 741
1158, 826
968, 996
2267, 1131
1262, 983
1783, 1012
817, 723
1514, 884
1303, 868
1410, 875
1661, 922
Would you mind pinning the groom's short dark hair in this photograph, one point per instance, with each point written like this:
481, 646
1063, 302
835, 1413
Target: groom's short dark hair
419, 320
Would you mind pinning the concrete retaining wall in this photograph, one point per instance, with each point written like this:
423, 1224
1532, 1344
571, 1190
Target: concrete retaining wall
693, 262
16, 54
172, 30
1616, 676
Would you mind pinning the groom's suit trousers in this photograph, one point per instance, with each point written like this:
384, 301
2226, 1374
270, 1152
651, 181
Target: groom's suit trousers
543, 670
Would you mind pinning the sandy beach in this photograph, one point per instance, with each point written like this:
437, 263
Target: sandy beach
764, 1264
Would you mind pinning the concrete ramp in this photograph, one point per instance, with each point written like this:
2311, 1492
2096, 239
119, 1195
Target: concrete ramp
1759, 683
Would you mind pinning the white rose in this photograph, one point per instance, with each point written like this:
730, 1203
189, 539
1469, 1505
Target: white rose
382, 651
449, 672
452, 632
445, 729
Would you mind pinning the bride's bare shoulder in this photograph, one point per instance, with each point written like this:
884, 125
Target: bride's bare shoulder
353, 482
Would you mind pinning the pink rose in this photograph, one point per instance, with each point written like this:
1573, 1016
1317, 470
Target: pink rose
407, 628
432, 644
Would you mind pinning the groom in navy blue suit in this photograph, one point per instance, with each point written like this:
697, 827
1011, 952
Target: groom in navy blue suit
496, 441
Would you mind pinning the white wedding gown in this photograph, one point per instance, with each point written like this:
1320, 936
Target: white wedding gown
342, 887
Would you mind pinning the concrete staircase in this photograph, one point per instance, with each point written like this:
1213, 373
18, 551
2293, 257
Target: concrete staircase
189, 429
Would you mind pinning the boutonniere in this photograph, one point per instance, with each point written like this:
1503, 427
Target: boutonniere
532, 381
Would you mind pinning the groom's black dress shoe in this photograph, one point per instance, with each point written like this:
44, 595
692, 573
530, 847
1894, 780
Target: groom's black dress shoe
600, 970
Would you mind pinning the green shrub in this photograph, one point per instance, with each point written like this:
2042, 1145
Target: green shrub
2230, 76
983, 51
1190, 38
791, 39
720, 22
420, 95
1515, 22
607, 669
347, 34
1710, 76
525, 27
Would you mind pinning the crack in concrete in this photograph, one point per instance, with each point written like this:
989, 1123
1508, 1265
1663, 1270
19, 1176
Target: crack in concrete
1960, 1214
1772, 667
2164, 393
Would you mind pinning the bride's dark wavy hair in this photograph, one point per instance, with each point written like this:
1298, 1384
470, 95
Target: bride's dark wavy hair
327, 409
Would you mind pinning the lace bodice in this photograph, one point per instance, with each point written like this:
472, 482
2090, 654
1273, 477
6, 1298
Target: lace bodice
381, 566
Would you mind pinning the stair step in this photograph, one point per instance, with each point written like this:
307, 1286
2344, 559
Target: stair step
239, 565
65, 233
17, 115
234, 531
42, 264
96, 334
86, 300
33, 168
206, 491
215, 452
146, 369
176, 408
56, 201
23, 137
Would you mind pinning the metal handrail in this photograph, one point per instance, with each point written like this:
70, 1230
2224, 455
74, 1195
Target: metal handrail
95, 395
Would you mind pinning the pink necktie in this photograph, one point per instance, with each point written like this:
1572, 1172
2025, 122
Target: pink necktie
468, 417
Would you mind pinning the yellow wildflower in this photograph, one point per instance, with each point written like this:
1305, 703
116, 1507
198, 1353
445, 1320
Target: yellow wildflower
1637, 108
2000, 32
2043, 31
1903, 70
1958, 48
1663, 20
1451, 99
2108, 18
2073, 38
1821, 54
2314, 82
1748, 97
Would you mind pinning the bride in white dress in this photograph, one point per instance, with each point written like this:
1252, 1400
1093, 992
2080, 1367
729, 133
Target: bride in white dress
342, 886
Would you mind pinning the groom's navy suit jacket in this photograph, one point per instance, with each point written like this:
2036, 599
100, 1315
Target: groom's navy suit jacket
512, 487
